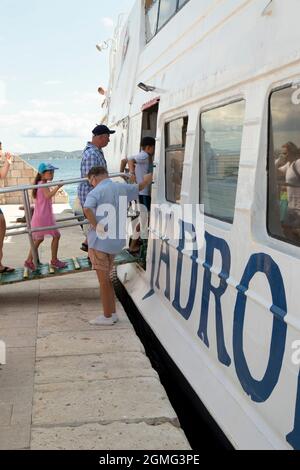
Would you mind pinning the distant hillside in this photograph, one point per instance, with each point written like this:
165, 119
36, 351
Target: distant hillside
54, 155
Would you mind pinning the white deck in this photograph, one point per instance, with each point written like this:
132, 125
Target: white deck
67, 385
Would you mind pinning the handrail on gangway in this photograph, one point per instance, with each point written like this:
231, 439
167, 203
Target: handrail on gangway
27, 229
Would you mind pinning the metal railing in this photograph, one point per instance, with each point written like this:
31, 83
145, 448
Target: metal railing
11, 231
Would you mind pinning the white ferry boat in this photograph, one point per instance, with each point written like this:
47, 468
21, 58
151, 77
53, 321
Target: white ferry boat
216, 82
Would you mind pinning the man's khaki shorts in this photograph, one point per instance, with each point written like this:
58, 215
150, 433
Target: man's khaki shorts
101, 261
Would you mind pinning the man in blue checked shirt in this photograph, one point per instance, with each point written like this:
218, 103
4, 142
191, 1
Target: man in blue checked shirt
93, 157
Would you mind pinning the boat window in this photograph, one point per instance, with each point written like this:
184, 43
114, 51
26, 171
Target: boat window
221, 139
151, 18
175, 132
158, 13
167, 9
284, 165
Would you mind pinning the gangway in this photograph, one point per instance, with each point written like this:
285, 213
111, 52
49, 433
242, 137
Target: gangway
74, 265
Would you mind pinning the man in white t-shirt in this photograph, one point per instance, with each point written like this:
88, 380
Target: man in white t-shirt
139, 166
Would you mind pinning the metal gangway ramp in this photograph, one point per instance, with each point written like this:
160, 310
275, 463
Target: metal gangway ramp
75, 264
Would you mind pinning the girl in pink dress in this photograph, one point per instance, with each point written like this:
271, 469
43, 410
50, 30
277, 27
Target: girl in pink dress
43, 215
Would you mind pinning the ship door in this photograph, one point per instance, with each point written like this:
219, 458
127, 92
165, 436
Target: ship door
149, 129
149, 120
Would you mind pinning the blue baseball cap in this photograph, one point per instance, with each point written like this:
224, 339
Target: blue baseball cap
43, 167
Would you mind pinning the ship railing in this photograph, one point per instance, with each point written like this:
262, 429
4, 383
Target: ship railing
24, 229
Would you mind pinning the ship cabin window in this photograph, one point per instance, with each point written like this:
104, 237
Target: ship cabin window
151, 13
284, 165
221, 138
158, 13
175, 137
167, 9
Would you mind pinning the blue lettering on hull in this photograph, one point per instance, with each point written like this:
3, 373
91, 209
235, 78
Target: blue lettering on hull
187, 310
258, 391
261, 391
213, 244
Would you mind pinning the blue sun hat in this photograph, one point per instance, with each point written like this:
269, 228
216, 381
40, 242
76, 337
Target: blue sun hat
43, 167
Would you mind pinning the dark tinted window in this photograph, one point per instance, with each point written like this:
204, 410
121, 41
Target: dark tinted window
221, 138
284, 165
175, 148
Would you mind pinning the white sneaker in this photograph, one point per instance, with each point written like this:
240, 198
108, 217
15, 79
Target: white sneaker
102, 321
115, 317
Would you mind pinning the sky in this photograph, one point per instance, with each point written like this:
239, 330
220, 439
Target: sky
50, 71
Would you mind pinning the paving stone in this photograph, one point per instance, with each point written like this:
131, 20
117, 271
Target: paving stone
22, 413
19, 368
69, 301
18, 337
5, 414
101, 340
16, 384
74, 321
95, 367
13, 395
14, 437
86, 280
18, 304
26, 290
20, 319
101, 401
20, 297
115, 436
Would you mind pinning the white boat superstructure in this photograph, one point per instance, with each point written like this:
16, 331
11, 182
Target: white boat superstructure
224, 108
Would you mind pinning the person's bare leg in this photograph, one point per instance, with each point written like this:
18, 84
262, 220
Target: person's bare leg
37, 244
2, 235
107, 294
54, 248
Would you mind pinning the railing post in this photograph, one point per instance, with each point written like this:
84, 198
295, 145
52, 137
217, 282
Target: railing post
28, 223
